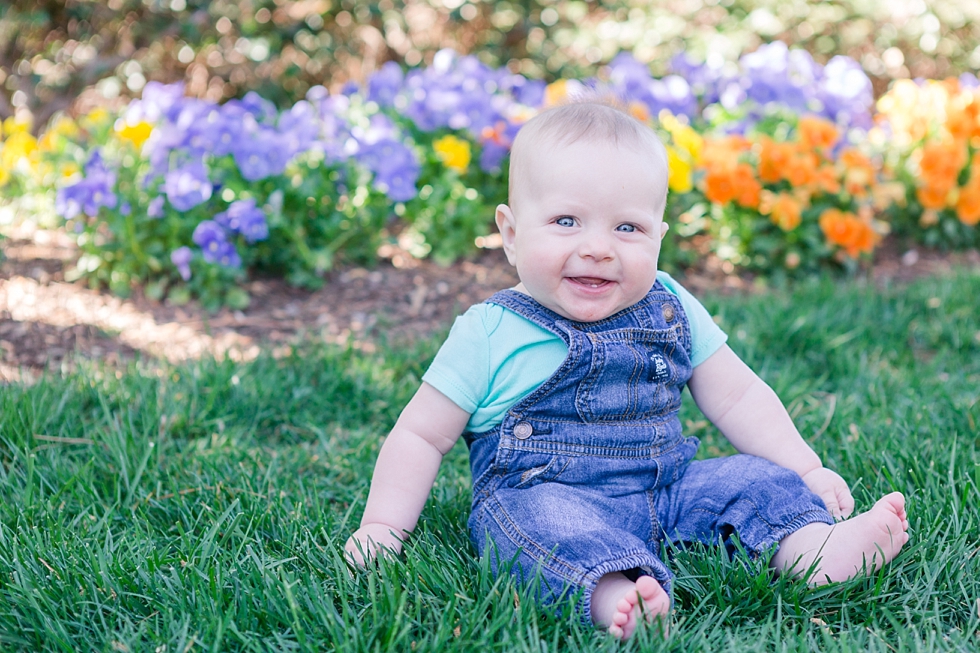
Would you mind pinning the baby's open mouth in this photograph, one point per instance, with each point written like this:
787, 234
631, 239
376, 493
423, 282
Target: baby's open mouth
593, 282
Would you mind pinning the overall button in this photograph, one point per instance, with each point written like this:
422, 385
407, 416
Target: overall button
523, 430
668, 312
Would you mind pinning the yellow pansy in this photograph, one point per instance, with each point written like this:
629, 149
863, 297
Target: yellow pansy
683, 135
453, 152
135, 134
47, 142
680, 178
69, 169
62, 127
19, 145
690, 141
14, 125
556, 93
95, 118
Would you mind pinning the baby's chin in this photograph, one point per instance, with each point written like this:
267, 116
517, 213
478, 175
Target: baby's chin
579, 308
586, 313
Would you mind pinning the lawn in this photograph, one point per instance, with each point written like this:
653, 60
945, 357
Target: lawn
205, 506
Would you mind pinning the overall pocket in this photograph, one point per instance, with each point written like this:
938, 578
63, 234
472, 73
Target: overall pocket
534, 469
632, 376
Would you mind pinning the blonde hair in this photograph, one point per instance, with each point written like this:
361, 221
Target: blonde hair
588, 119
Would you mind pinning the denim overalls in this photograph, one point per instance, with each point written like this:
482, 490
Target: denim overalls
590, 473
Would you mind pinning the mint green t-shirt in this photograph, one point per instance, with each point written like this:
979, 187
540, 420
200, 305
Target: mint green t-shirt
493, 357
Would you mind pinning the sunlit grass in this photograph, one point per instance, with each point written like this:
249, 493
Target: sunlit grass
205, 505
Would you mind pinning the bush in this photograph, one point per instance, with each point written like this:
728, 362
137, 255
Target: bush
56, 53
776, 165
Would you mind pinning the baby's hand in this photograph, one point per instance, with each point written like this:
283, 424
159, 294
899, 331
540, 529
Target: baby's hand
829, 486
370, 540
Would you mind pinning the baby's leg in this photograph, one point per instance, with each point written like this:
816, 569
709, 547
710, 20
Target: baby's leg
618, 604
864, 542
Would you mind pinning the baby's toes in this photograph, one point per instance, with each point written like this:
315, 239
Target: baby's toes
627, 603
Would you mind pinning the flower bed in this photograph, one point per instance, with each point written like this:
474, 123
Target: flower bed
777, 164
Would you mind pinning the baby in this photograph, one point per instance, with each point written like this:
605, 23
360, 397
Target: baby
567, 387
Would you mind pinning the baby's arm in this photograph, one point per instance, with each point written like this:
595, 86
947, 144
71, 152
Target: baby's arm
427, 428
747, 411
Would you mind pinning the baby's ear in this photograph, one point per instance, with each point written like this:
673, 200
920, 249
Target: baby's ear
507, 225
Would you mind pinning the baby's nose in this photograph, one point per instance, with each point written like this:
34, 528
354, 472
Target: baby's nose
596, 246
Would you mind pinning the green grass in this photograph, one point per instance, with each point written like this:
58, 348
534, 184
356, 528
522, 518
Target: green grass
205, 506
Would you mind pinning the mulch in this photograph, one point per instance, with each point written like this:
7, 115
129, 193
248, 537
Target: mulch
49, 324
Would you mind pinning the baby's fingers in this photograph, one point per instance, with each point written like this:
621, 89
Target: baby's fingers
356, 552
845, 503
833, 507
361, 549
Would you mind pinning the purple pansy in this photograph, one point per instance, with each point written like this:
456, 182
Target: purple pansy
243, 217
334, 130
385, 84
259, 152
631, 81
155, 208
156, 102
456, 92
187, 186
212, 238
846, 93
529, 92
298, 128
395, 167
181, 258
263, 110
380, 149
87, 196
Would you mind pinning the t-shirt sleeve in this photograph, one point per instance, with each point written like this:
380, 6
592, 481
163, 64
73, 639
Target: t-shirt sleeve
706, 336
461, 368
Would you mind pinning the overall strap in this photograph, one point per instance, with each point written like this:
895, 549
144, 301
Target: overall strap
528, 308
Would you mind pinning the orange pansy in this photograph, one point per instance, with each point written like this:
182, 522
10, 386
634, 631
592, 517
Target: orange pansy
858, 171
968, 203
932, 197
747, 187
639, 111
801, 168
826, 179
846, 230
773, 159
817, 133
941, 163
783, 209
719, 184
723, 151
963, 119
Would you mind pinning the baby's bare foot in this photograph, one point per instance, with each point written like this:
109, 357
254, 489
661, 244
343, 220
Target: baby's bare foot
618, 604
865, 542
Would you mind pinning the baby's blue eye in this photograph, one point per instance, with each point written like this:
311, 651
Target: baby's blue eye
565, 221
628, 228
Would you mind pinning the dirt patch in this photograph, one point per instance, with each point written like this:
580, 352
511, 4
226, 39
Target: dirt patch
47, 323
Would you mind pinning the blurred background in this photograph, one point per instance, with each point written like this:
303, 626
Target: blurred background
72, 55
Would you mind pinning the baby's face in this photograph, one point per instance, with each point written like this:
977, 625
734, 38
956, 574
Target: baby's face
586, 228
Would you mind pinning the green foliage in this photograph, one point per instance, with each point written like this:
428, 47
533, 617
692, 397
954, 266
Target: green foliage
940, 229
320, 211
206, 505
54, 52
